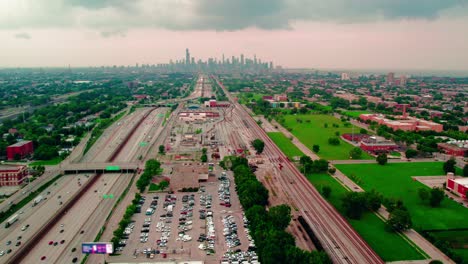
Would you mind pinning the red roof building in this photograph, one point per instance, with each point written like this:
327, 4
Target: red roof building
12, 175
22, 148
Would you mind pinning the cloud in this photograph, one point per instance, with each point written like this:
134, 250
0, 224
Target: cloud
109, 15
22, 36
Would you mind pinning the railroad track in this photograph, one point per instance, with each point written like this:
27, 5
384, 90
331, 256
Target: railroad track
340, 240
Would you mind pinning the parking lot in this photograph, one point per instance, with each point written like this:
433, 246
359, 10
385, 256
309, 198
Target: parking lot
201, 225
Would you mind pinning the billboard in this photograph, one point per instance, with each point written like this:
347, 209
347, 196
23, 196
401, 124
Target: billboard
97, 248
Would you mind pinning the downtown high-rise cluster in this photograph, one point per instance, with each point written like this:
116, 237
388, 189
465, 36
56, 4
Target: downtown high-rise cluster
232, 64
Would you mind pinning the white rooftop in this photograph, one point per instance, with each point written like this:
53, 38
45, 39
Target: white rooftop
462, 181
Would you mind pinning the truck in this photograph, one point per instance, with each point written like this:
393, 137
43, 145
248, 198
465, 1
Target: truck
37, 200
11, 220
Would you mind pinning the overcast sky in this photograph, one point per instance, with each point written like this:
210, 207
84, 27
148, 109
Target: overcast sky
346, 34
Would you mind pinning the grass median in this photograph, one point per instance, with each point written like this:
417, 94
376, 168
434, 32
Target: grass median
285, 144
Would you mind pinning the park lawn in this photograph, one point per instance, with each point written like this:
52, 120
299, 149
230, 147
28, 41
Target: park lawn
285, 144
355, 114
457, 238
315, 133
243, 99
389, 246
393, 180
53, 161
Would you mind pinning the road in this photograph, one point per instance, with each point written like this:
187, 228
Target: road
340, 240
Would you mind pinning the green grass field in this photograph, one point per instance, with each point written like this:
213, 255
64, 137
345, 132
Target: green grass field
315, 133
394, 180
389, 246
243, 99
286, 146
54, 161
354, 114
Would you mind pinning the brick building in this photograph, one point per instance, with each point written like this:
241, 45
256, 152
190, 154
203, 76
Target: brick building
453, 149
11, 175
377, 145
23, 149
457, 185
405, 123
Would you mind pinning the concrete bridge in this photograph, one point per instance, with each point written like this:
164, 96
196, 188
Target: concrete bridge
76, 168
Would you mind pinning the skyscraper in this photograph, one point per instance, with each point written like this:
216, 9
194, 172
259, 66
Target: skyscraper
344, 76
242, 59
403, 80
187, 57
390, 78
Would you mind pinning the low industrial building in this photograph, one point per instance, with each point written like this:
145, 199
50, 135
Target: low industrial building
355, 137
212, 103
376, 144
12, 175
197, 116
20, 150
454, 148
459, 186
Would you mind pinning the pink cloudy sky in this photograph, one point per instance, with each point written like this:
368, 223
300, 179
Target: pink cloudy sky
345, 34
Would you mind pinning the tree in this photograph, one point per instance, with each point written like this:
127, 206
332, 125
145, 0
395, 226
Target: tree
354, 204
355, 153
373, 200
258, 145
334, 141
382, 159
326, 191
399, 220
316, 148
363, 131
162, 149
449, 165
320, 165
465, 170
280, 216
204, 158
411, 153
437, 195
424, 194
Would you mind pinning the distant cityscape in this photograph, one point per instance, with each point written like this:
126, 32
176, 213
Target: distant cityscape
225, 64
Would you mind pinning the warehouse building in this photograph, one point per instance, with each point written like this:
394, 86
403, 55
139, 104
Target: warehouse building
21, 149
454, 148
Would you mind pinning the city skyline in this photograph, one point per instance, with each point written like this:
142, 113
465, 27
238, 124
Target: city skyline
417, 35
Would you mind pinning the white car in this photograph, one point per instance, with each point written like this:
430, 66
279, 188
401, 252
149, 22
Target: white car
2, 253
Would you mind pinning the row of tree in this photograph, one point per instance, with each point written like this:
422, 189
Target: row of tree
315, 166
126, 219
274, 244
152, 168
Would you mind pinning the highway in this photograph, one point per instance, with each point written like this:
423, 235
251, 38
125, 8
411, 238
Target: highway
89, 213
339, 239
118, 143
